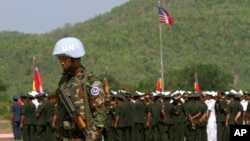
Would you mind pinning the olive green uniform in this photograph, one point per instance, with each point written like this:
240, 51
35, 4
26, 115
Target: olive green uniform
169, 123
221, 109
29, 124
203, 125
124, 125
51, 111
193, 109
157, 121
41, 122
108, 126
148, 130
179, 121
139, 120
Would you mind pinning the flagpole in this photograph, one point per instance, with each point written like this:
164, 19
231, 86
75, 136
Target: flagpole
161, 56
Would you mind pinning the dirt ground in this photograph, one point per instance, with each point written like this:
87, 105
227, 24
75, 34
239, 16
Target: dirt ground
5, 125
5, 129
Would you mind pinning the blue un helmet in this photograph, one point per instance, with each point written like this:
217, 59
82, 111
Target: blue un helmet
69, 46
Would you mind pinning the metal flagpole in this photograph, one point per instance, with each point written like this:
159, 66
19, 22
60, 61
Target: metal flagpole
161, 56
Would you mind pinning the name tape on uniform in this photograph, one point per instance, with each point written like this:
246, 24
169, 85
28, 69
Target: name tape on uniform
239, 132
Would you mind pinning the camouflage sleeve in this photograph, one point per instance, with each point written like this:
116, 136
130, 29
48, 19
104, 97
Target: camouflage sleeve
97, 100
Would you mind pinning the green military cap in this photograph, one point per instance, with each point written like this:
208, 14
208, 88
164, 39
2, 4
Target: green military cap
40, 95
195, 95
119, 95
135, 94
30, 96
176, 96
237, 95
185, 94
167, 96
246, 93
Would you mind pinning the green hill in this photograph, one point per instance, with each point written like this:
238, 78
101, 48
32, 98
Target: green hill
127, 41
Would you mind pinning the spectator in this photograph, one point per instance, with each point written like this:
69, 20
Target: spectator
15, 118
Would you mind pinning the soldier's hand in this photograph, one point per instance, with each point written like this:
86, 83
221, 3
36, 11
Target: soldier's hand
247, 122
21, 125
147, 124
236, 121
226, 124
190, 118
193, 126
53, 125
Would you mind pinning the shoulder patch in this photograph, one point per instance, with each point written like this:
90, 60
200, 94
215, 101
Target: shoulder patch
95, 91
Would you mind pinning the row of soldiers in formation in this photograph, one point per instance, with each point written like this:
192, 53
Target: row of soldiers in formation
148, 117
37, 113
205, 116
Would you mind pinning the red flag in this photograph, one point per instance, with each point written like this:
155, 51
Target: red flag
196, 84
164, 16
37, 82
158, 85
105, 82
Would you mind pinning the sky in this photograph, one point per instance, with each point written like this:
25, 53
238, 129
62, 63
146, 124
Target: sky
41, 16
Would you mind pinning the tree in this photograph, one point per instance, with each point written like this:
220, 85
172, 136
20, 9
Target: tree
210, 77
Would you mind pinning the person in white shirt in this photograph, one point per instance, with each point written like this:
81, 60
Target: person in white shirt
211, 119
244, 104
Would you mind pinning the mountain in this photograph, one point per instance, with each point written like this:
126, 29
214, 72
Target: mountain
127, 40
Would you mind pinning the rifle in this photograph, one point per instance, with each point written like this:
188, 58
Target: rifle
72, 111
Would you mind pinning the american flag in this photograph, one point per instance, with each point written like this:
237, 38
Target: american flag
164, 16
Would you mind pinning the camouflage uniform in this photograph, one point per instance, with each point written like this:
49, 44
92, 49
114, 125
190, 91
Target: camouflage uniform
89, 105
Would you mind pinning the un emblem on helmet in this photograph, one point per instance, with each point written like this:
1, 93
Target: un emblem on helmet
95, 91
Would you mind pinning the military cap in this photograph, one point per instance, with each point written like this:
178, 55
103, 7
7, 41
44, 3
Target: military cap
167, 96
220, 92
113, 93
209, 93
237, 96
30, 96
185, 94
246, 93
14, 97
176, 96
135, 94
157, 94
40, 95
122, 91
231, 94
195, 95
119, 95
147, 95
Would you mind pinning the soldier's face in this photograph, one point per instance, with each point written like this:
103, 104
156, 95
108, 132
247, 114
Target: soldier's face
65, 62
